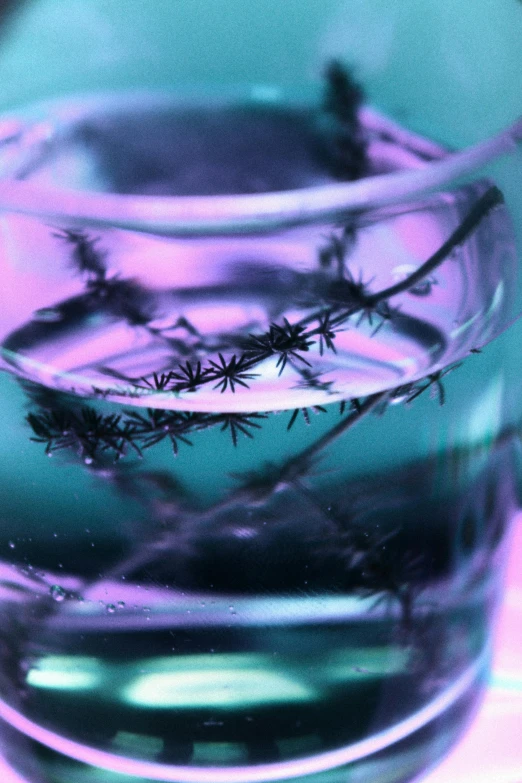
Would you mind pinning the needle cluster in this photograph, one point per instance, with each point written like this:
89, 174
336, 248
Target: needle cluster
94, 437
349, 302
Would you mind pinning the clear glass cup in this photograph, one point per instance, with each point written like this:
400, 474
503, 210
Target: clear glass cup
260, 394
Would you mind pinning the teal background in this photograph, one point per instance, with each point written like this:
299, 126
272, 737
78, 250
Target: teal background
451, 68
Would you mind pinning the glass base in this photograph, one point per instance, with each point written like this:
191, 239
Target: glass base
28, 761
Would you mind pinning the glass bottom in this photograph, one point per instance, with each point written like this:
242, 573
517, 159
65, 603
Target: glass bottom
393, 756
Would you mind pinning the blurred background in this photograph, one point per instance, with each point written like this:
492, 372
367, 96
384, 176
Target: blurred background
453, 64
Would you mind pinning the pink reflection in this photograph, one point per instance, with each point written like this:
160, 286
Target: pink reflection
491, 751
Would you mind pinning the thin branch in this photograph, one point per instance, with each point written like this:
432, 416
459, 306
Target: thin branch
489, 200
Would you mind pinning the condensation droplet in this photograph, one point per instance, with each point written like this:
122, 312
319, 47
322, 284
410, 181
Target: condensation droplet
110, 608
121, 604
12, 545
58, 593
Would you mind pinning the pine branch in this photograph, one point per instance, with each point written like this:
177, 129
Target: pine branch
305, 413
86, 432
239, 422
345, 137
157, 425
86, 256
229, 373
287, 341
348, 298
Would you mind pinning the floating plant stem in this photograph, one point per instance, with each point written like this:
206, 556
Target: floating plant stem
290, 342
83, 430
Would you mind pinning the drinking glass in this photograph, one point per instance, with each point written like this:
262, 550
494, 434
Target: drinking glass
260, 389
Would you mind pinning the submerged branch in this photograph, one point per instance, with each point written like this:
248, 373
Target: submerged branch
489, 200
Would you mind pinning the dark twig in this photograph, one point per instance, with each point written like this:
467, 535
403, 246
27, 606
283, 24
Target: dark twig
489, 200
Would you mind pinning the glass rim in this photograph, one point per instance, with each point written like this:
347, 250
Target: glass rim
231, 213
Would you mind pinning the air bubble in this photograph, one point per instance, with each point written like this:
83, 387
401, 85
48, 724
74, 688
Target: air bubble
12, 545
423, 287
400, 398
58, 594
